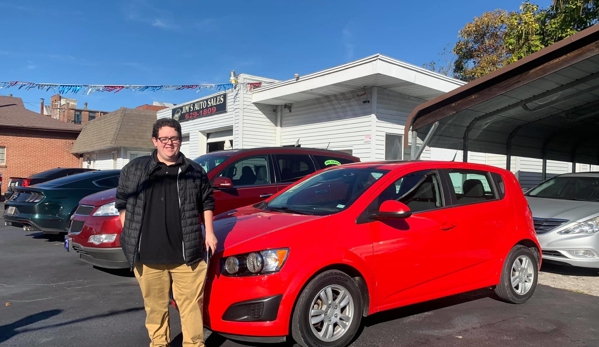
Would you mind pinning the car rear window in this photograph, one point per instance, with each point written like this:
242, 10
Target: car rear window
471, 186
46, 174
92, 176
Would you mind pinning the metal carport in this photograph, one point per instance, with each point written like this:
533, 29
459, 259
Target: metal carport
544, 106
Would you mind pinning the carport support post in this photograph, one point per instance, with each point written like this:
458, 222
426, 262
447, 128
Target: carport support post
413, 145
427, 139
544, 170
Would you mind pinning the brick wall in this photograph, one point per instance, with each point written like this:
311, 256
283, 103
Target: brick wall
28, 153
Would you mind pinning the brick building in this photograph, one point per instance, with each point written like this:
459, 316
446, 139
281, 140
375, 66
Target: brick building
66, 110
31, 143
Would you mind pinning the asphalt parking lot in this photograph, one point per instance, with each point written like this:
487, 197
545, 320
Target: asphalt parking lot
48, 297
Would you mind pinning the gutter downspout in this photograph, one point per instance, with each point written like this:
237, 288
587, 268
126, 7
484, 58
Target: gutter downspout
279, 124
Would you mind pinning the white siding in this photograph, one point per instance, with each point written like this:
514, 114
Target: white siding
392, 111
104, 161
259, 121
340, 121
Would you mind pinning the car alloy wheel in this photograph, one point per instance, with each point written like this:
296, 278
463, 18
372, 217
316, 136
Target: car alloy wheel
328, 311
519, 276
331, 314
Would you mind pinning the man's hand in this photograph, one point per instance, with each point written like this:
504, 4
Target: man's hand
211, 240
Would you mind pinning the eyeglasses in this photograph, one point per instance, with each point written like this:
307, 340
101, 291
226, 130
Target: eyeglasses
165, 140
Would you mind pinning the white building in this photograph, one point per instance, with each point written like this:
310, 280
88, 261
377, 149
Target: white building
359, 108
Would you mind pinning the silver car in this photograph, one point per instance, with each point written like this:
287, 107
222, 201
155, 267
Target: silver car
566, 216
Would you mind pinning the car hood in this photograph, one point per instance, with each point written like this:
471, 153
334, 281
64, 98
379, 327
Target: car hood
243, 226
100, 198
562, 209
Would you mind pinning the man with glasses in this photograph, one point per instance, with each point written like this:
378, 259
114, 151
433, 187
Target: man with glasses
160, 199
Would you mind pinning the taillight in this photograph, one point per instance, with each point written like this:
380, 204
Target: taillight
26, 183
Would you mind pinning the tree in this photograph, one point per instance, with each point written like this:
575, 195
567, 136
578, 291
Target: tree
498, 38
480, 48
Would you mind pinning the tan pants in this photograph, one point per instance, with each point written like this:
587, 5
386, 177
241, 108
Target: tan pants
188, 292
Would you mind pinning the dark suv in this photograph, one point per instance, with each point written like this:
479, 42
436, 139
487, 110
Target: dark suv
41, 177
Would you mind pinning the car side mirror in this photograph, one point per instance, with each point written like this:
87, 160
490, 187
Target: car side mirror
223, 182
392, 209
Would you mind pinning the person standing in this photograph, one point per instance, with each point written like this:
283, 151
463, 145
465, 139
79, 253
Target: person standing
162, 200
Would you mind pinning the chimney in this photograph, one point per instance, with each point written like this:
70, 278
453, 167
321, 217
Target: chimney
85, 105
42, 106
10, 95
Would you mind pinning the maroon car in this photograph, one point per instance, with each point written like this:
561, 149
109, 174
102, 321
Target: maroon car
239, 177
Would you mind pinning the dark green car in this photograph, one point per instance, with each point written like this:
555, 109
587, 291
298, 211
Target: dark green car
48, 206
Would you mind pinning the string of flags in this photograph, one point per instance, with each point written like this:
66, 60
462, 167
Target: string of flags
92, 88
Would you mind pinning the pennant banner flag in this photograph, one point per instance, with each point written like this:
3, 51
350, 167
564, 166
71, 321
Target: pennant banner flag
91, 88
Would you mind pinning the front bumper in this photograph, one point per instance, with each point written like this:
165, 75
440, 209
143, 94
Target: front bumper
555, 249
258, 313
108, 258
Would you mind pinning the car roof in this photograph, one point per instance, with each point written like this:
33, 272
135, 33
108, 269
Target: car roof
423, 164
581, 174
306, 150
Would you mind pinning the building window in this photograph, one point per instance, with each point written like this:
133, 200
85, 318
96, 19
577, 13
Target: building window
92, 116
77, 117
2, 155
393, 147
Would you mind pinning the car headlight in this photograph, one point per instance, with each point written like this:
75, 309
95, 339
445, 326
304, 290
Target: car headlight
107, 210
102, 238
255, 263
589, 226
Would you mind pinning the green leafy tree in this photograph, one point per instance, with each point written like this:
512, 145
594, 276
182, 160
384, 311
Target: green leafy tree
498, 38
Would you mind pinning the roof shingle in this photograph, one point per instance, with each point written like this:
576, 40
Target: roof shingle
14, 114
124, 127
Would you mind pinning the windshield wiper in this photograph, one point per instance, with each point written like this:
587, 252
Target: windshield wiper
285, 209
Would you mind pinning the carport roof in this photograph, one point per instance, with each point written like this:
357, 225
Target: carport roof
543, 106
375, 71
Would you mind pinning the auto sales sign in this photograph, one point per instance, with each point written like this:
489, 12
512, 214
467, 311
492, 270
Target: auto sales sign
201, 108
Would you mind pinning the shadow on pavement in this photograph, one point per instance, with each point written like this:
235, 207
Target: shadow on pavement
568, 270
49, 238
10, 330
117, 272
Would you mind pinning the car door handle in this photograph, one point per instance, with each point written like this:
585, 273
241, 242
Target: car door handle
265, 195
447, 226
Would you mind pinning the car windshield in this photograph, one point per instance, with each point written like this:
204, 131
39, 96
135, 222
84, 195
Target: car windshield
210, 161
568, 188
326, 193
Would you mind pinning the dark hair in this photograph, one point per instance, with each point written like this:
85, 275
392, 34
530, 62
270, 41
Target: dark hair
165, 122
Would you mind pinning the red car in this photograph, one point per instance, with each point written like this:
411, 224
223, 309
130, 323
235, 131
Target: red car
240, 178
358, 239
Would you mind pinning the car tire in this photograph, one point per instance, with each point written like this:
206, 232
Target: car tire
328, 311
519, 276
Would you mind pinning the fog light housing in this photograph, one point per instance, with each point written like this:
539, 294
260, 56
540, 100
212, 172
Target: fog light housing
582, 253
101, 238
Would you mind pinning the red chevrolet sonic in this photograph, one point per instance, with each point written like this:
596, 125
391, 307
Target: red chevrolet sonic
357, 239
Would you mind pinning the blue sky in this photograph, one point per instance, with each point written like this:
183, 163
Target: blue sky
152, 42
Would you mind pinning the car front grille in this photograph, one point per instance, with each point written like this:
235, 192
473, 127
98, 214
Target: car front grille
76, 227
553, 254
84, 210
545, 225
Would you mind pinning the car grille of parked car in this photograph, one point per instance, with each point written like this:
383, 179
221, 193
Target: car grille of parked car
76, 227
84, 210
545, 225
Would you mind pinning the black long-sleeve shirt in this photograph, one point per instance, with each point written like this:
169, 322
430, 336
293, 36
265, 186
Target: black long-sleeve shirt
161, 231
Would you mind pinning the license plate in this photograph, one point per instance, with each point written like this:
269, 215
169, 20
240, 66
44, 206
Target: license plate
66, 244
11, 210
